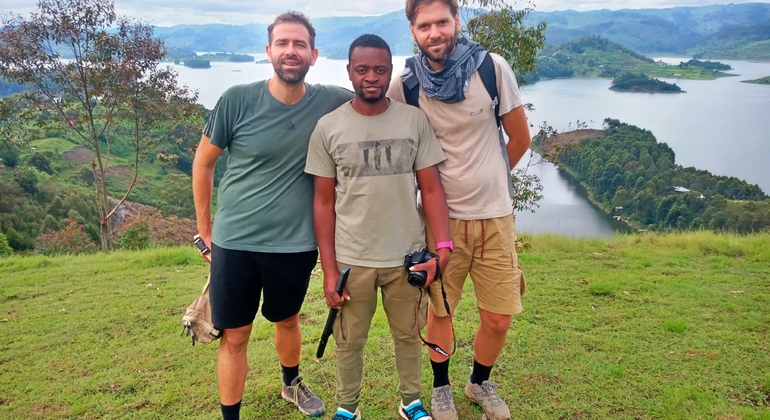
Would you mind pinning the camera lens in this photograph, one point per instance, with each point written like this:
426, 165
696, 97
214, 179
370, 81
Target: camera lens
418, 278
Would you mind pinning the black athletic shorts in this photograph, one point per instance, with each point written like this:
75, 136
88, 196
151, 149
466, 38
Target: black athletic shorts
238, 278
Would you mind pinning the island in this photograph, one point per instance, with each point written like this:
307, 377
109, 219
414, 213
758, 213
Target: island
760, 81
639, 82
227, 57
197, 63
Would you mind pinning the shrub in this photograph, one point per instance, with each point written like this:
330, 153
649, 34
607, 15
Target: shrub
134, 236
39, 161
10, 156
5, 249
70, 240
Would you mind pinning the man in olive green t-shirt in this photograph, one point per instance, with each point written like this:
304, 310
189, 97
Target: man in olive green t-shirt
365, 156
262, 241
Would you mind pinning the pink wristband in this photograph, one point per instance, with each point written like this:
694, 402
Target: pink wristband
445, 244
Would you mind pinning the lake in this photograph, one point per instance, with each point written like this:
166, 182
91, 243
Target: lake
720, 125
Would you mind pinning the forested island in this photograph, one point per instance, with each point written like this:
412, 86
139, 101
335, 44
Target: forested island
632, 176
227, 57
596, 56
638, 82
197, 63
760, 81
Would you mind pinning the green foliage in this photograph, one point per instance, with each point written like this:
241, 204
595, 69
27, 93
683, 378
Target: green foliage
708, 65
9, 154
660, 194
134, 236
5, 249
596, 56
502, 30
197, 63
40, 162
110, 92
638, 82
233, 58
71, 240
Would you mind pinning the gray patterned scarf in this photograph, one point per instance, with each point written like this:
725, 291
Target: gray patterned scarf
448, 84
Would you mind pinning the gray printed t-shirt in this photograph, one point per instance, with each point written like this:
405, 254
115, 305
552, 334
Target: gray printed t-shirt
374, 160
265, 200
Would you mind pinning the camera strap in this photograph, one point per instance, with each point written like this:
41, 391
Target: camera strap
432, 346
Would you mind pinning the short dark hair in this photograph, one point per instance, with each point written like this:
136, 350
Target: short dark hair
292, 17
412, 7
369, 40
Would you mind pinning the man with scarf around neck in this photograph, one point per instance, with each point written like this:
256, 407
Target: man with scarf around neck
476, 180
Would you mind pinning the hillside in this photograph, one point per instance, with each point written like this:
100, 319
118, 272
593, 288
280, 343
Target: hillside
744, 42
594, 56
652, 326
649, 31
632, 176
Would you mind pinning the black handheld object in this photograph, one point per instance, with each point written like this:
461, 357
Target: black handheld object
329, 327
202, 247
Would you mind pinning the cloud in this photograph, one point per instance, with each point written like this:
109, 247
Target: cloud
238, 12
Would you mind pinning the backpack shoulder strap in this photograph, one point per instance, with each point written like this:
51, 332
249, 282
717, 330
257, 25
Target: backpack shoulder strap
489, 78
412, 95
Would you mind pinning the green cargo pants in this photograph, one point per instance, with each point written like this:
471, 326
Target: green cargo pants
351, 330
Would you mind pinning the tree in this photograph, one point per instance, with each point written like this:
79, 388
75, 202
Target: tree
5, 249
99, 72
500, 29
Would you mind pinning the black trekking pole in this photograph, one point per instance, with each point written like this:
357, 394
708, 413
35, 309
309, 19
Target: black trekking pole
329, 328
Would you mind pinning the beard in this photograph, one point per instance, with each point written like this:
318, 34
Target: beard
291, 77
442, 56
370, 98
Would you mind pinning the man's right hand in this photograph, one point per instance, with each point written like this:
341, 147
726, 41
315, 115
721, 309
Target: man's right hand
206, 238
333, 299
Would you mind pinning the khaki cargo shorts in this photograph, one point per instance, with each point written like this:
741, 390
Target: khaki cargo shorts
486, 250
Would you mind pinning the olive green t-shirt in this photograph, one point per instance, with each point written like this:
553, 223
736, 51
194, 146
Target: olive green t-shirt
265, 200
374, 160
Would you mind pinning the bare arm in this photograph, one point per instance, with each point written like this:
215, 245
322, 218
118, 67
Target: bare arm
437, 216
203, 185
516, 127
324, 221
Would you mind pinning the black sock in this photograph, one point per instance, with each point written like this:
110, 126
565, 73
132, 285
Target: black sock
289, 373
440, 373
231, 412
480, 373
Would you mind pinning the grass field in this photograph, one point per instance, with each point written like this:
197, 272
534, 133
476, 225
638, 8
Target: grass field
634, 327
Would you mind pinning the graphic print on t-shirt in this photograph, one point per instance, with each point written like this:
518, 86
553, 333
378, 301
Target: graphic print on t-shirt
377, 158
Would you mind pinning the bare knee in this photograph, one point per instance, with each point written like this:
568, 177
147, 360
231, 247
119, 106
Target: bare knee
289, 323
236, 338
496, 323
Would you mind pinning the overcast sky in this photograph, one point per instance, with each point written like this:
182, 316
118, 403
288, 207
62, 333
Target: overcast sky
237, 12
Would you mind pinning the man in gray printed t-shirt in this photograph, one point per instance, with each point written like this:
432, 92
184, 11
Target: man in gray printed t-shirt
263, 241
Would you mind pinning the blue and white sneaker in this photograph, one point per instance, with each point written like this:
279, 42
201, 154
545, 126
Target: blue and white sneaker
343, 414
413, 411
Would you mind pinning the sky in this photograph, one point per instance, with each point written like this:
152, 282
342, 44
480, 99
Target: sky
238, 12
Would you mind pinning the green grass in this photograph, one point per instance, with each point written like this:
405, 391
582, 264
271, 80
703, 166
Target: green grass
634, 327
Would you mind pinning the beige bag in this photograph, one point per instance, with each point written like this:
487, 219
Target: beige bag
197, 321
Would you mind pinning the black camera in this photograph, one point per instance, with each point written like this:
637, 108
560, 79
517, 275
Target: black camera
418, 278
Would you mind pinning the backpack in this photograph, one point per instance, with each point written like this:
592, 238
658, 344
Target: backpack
197, 323
487, 73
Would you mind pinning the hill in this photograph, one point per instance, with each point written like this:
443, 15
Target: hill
633, 177
746, 42
649, 31
594, 56
653, 326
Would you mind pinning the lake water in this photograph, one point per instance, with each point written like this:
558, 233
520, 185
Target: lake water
719, 125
